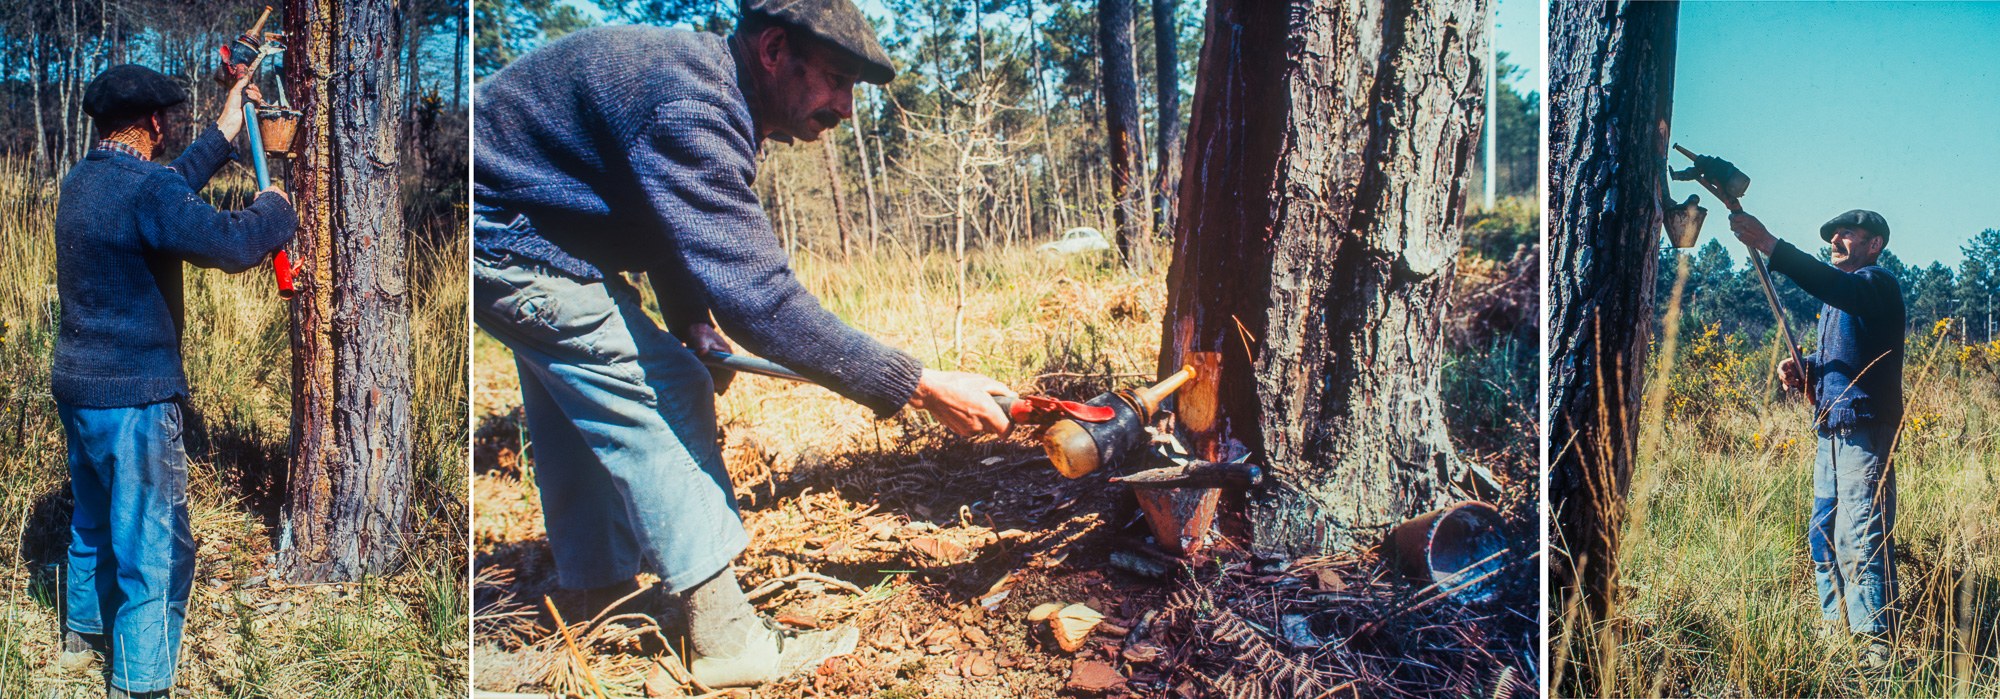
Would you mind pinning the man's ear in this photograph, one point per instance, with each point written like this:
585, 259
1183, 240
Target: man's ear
773, 47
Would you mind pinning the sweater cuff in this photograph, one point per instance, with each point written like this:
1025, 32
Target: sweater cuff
888, 390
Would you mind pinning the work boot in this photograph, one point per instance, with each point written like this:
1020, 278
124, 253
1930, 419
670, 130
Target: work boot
734, 646
82, 650
1833, 634
1876, 653
769, 654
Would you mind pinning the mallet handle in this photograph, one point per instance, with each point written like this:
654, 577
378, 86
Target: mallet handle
761, 367
1763, 276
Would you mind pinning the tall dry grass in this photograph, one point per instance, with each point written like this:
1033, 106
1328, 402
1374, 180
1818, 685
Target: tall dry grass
402, 635
1717, 595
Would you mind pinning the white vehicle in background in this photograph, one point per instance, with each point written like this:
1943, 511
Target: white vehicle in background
1075, 240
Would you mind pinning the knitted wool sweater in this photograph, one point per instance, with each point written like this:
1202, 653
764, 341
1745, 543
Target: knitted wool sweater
123, 228
1857, 374
633, 148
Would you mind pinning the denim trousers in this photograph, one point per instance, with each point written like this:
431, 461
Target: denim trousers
131, 551
622, 420
1854, 512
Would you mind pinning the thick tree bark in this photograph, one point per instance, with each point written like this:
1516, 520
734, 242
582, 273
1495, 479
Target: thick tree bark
347, 500
1121, 128
1317, 234
1611, 88
1167, 86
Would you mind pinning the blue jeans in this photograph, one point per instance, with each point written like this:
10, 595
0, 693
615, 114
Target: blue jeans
622, 417
1854, 511
131, 551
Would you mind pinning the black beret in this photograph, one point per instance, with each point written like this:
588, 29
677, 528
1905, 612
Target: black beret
130, 91
838, 22
1858, 218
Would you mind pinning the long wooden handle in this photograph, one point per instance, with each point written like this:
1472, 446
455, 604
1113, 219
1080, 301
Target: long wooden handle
1763, 276
761, 367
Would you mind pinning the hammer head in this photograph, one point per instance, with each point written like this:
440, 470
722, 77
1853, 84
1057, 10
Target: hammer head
1722, 173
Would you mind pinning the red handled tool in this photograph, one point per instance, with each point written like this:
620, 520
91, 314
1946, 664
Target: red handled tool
1021, 410
240, 57
1078, 437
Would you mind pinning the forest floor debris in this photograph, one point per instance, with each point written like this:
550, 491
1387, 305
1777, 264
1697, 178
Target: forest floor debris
938, 548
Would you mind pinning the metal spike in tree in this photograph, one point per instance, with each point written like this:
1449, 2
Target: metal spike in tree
1121, 127
1611, 103
1316, 244
347, 499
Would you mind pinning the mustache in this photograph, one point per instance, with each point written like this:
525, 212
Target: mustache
826, 118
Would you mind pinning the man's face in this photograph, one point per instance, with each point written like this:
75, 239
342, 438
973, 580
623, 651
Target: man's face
810, 87
1854, 248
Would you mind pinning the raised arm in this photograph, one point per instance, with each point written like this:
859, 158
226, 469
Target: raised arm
199, 162
183, 225
696, 166
1867, 292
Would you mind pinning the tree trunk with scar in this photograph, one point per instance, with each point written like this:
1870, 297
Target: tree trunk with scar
347, 499
1315, 247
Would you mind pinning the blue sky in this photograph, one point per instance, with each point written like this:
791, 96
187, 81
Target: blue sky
1518, 31
1892, 107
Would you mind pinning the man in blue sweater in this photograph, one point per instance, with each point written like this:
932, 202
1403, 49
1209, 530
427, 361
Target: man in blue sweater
634, 149
124, 225
1857, 380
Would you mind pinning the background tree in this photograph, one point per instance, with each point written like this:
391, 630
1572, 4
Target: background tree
1167, 118
508, 28
1611, 82
347, 497
1122, 132
1315, 245
1518, 124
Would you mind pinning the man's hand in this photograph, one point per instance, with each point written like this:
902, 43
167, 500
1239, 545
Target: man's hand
1751, 231
1793, 378
274, 190
703, 339
962, 401
230, 122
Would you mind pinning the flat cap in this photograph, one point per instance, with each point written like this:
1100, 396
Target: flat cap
837, 22
1858, 218
130, 90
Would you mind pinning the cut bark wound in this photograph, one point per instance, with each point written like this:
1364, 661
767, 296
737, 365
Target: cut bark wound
1314, 249
347, 499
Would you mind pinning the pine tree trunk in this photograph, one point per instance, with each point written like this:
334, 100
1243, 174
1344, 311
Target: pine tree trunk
1317, 234
347, 499
1121, 127
1610, 105
41, 132
867, 183
839, 192
1167, 85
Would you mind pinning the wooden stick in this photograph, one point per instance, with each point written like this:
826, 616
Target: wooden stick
1198, 474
